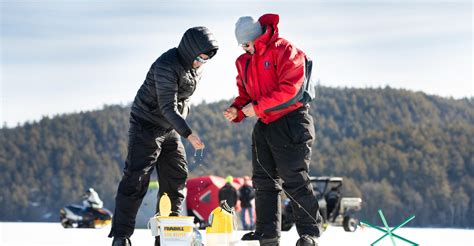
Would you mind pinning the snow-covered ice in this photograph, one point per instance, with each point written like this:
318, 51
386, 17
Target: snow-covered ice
52, 234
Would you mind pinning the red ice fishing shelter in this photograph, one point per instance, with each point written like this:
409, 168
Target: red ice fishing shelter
203, 195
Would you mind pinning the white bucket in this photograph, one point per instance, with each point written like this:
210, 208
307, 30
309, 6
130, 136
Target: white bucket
154, 225
173, 231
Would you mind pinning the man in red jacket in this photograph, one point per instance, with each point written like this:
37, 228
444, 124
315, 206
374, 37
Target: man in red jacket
270, 74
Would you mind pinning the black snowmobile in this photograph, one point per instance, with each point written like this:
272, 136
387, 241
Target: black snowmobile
76, 216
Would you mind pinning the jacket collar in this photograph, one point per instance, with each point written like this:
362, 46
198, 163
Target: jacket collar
270, 22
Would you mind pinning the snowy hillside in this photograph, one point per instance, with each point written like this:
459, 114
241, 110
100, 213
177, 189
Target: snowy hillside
52, 234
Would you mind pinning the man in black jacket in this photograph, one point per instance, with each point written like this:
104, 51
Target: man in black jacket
332, 201
228, 193
246, 196
157, 123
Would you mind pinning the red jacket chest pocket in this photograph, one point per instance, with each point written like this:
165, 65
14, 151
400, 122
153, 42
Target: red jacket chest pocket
267, 74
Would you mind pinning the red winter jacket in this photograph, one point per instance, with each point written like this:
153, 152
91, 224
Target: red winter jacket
275, 74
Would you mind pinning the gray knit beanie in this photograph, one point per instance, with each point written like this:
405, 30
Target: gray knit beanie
247, 29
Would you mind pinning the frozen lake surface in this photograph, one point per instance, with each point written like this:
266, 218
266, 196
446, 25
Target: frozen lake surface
53, 234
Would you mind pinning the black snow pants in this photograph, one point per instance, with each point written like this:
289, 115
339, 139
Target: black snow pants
282, 150
148, 148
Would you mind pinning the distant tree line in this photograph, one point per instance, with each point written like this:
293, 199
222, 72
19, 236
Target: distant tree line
406, 153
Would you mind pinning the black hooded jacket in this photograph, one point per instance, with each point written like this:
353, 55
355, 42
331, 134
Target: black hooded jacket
163, 99
228, 193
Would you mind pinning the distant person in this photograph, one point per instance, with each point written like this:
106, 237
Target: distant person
271, 72
92, 199
332, 200
228, 192
157, 123
246, 196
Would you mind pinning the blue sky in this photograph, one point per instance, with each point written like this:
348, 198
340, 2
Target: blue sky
70, 56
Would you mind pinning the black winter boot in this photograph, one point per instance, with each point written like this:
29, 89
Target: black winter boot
307, 240
121, 241
266, 240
